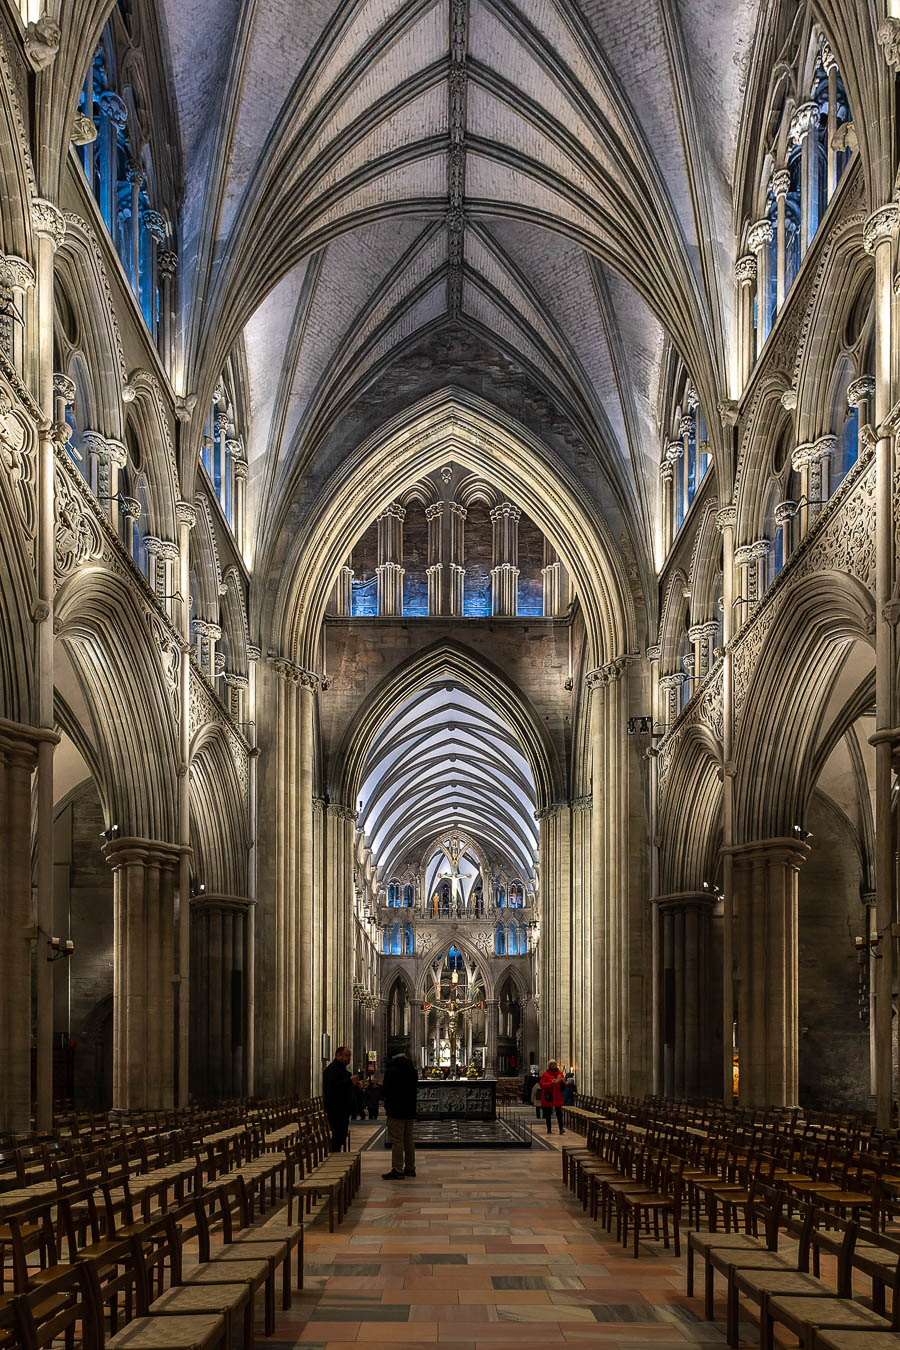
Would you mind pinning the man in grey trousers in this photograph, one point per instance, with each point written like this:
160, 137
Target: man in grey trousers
400, 1088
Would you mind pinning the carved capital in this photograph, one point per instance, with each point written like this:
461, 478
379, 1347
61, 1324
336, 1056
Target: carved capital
744, 555
888, 34
47, 221
781, 183
64, 388
673, 681
882, 224
858, 391
254, 653
761, 548
186, 514
41, 40
674, 451
745, 269
505, 509
784, 511
686, 426
156, 225
167, 262
115, 108
804, 120
726, 518
760, 235
652, 653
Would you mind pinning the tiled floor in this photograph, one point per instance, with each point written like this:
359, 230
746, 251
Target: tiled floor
483, 1249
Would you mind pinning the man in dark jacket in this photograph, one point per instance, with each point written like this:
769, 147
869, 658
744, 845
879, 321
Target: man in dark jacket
401, 1085
338, 1086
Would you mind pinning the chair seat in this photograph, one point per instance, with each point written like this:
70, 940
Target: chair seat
200, 1298
782, 1282
834, 1339
273, 1250
832, 1312
279, 1232
730, 1258
703, 1242
250, 1272
169, 1333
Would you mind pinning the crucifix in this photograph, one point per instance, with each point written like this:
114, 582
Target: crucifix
453, 851
454, 1011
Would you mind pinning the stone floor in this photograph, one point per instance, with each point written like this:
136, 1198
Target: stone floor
483, 1249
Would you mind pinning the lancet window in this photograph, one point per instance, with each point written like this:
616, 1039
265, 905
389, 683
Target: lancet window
223, 454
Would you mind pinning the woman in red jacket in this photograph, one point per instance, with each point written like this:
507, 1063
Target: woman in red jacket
552, 1095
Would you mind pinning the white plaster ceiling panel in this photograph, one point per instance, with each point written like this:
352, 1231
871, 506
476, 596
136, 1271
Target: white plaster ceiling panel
479, 306
643, 342
282, 36
266, 338
494, 44
422, 45
632, 38
487, 181
492, 119
424, 261
201, 53
352, 266
423, 116
488, 265
362, 27
718, 36
429, 307
426, 177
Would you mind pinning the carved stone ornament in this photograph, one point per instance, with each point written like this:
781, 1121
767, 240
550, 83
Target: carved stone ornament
789, 400
84, 130
18, 461
781, 183
804, 120
41, 40
156, 225
78, 535
888, 34
64, 388
860, 391
674, 450
47, 221
745, 270
186, 514
726, 518
760, 235
882, 224
18, 273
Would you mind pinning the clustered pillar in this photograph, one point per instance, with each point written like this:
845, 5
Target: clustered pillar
219, 966
505, 569
765, 884
684, 921
390, 560
145, 875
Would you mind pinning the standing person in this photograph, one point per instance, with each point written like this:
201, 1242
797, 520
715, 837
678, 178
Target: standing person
373, 1098
536, 1097
400, 1088
569, 1089
552, 1095
338, 1087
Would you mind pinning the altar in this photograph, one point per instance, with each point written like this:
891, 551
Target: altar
457, 1099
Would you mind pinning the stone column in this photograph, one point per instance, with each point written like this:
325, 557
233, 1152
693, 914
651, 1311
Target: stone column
434, 515
582, 938
761, 550
765, 893
667, 477
861, 395
784, 515
185, 518
145, 874
240, 470
219, 926
803, 125
17, 279
831, 70
338, 914
670, 691
675, 456
390, 560
781, 186
457, 568
505, 569
745, 275
134, 175
685, 1012
811, 461
747, 574
557, 585
18, 762
491, 1019
880, 238
556, 918
162, 563
105, 458
725, 522
167, 265
759, 237
686, 430
343, 591
703, 636
236, 687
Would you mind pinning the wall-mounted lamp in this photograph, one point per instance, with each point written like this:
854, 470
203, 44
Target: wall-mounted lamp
712, 889
803, 835
109, 834
60, 948
130, 505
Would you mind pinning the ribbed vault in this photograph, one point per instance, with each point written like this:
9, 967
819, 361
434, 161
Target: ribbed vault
446, 760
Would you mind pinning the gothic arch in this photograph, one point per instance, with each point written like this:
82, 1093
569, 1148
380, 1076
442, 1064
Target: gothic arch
445, 661
455, 424
788, 695
673, 623
132, 717
690, 815
219, 826
78, 262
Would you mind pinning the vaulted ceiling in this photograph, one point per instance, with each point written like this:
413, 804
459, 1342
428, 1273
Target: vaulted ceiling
368, 179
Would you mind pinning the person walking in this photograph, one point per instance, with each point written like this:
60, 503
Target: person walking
552, 1095
399, 1090
338, 1087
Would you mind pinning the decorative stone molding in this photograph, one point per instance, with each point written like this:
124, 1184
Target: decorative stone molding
64, 388
804, 120
760, 235
888, 34
156, 225
726, 518
48, 221
167, 262
254, 653
186, 514
506, 510
84, 130
686, 426
294, 674
789, 400
652, 653
20, 273
41, 40
784, 511
745, 269
882, 224
674, 451
861, 390
114, 107
781, 183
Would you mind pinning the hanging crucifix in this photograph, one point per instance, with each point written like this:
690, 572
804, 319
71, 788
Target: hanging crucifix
453, 1011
